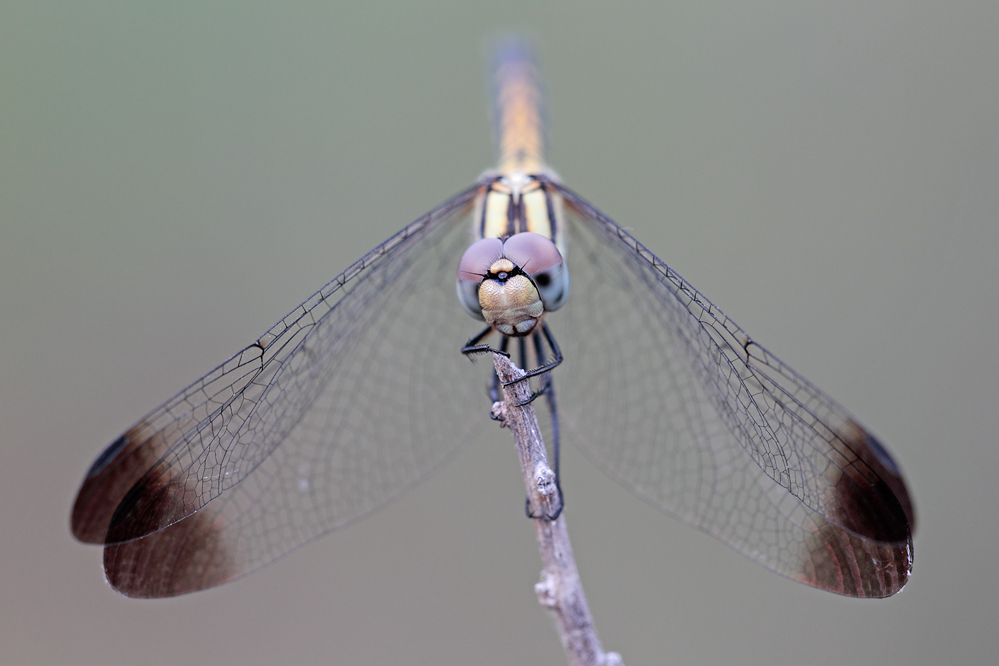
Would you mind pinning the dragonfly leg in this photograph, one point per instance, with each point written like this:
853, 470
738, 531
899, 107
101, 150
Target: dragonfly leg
543, 367
548, 390
494, 383
473, 347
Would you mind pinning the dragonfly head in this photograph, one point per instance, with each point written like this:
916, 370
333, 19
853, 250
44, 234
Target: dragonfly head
510, 283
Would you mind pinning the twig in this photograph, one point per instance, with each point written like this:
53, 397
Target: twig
560, 589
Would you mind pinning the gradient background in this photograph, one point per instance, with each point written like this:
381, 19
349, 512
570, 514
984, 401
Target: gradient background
175, 178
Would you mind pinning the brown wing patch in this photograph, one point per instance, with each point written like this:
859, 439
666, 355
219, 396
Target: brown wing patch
868, 494
837, 560
154, 502
187, 556
867, 551
110, 478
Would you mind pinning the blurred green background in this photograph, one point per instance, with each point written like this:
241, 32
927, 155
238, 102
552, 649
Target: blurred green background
175, 177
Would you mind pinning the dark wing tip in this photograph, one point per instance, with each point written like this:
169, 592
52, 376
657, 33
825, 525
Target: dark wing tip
865, 549
188, 556
840, 561
876, 455
151, 504
871, 497
108, 480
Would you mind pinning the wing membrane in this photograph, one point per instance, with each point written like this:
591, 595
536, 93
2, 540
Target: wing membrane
300, 433
675, 401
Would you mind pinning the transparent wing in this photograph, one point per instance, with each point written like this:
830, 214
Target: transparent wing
339, 408
673, 400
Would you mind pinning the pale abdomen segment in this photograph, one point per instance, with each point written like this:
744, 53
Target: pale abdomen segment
518, 109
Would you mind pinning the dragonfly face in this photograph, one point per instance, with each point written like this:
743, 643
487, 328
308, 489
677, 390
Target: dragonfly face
510, 284
360, 393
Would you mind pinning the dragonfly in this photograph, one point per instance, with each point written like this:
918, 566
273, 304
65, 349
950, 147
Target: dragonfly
364, 390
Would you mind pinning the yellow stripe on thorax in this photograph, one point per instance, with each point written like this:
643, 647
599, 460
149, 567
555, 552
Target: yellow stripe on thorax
529, 205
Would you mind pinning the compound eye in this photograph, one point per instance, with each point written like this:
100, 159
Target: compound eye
474, 265
553, 285
540, 259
